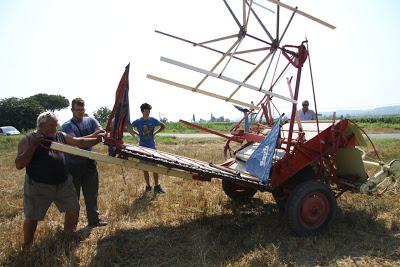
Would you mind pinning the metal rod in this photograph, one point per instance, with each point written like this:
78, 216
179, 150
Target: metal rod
276, 67
219, 62
206, 129
233, 15
269, 65
377, 164
183, 86
287, 25
313, 88
251, 73
218, 39
266, 8
248, 13
277, 21
203, 46
244, 15
231, 55
294, 109
289, 83
252, 50
258, 39
261, 24
277, 79
303, 14
215, 75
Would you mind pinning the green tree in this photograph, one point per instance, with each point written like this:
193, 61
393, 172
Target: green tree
51, 102
20, 113
102, 114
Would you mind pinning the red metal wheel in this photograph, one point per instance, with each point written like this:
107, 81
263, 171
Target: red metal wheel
310, 208
314, 210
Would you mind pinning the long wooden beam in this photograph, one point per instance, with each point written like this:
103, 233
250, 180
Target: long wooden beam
215, 75
131, 163
304, 14
183, 86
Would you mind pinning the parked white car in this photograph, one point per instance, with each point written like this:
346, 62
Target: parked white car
8, 130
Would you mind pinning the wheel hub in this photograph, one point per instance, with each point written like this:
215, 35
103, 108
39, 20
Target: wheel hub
314, 210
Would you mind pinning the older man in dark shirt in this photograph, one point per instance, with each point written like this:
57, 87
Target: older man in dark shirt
47, 179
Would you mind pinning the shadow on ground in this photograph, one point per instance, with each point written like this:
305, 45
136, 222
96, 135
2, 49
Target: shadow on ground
55, 250
255, 228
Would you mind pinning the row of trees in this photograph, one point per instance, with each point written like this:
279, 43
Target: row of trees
22, 112
383, 119
102, 115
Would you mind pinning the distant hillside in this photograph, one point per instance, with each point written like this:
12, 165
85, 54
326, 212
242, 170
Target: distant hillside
381, 111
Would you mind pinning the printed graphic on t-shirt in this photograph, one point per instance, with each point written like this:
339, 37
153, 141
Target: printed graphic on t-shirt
147, 132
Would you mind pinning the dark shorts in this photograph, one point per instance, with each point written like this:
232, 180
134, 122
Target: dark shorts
38, 198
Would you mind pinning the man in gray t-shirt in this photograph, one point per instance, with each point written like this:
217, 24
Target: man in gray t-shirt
83, 170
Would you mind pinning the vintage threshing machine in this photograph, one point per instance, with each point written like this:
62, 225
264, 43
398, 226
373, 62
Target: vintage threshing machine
306, 165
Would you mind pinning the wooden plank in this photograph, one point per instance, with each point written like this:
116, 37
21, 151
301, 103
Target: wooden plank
304, 14
183, 86
215, 75
131, 163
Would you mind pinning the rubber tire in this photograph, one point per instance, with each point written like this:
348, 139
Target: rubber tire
280, 201
293, 207
303, 175
237, 192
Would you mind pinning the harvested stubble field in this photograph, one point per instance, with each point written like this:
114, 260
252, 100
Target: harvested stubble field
195, 224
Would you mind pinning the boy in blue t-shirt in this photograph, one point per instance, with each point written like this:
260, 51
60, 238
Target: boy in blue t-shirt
145, 129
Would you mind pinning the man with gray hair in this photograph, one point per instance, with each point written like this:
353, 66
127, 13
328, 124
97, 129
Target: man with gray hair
47, 179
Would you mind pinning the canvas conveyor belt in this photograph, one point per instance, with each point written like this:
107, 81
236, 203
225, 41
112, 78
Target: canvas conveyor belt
200, 168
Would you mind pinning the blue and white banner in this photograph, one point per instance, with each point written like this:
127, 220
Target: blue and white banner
260, 162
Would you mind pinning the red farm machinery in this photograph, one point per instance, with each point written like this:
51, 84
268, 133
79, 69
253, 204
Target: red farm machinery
306, 165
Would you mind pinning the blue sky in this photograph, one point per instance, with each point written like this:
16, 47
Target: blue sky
80, 49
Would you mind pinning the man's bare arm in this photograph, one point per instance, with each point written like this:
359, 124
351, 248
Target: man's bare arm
83, 142
130, 130
26, 148
162, 127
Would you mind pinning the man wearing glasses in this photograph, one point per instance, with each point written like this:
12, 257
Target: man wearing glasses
84, 170
306, 114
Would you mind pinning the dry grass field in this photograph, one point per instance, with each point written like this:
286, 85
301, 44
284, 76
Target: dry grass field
195, 224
